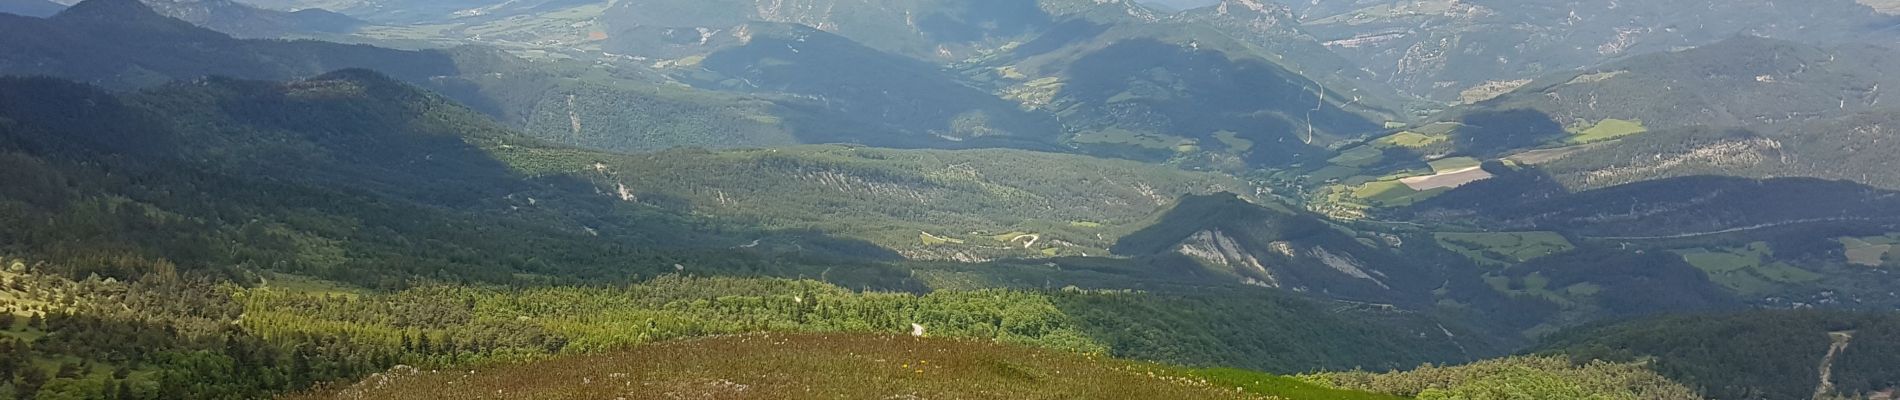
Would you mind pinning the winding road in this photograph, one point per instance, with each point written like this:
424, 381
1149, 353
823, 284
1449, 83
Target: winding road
1742, 229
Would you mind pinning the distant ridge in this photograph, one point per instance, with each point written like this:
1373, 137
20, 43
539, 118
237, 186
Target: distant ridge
30, 8
130, 19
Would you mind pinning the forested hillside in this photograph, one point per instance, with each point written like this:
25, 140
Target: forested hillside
975, 204
1741, 81
1524, 282
1753, 355
124, 44
1746, 106
1028, 74
1284, 249
1517, 377
328, 137
1527, 200
361, 170
930, 29
1848, 147
242, 20
1777, 242
884, 93
1178, 90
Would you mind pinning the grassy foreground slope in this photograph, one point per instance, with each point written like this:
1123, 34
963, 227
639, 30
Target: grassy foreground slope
195, 339
804, 367
807, 366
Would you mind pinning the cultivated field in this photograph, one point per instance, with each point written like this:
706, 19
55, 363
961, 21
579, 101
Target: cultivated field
1608, 129
1447, 179
1748, 269
1504, 248
1869, 251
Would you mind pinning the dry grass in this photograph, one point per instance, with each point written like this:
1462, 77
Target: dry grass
778, 366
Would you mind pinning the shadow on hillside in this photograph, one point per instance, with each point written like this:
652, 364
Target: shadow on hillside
843, 92
1490, 132
978, 20
1148, 85
395, 140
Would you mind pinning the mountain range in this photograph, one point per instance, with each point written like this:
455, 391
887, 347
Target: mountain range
31, 8
1557, 199
1451, 49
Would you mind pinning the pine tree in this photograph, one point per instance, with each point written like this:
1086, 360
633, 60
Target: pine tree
70, 370
29, 384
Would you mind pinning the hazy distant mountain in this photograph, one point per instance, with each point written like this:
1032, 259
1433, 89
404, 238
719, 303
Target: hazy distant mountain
30, 8
1745, 80
243, 20
1170, 89
123, 43
1223, 87
1442, 48
1276, 30
405, 12
935, 29
857, 83
1180, 4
